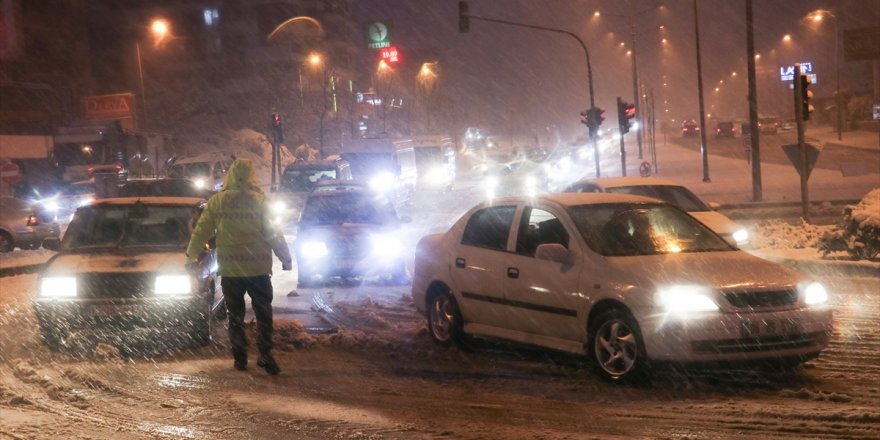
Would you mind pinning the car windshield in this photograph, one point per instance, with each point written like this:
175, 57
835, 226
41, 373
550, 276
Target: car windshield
625, 229
134, 225
427, 156
348, 207
190, 169
674, 195
365, 165
305, 180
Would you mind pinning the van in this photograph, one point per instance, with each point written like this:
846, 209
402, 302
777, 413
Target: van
435, 162
207, 171
387, 165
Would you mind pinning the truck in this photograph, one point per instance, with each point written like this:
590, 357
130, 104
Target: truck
435, 162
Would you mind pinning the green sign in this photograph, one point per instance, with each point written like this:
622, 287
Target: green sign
378, 35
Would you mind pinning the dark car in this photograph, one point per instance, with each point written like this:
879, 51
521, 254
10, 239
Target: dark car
690, 128
725, 129
24, 225
173, 187
350, 233
120, 268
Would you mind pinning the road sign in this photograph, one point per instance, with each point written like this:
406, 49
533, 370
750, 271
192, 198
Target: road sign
378, 35
645, 169
791, 151
9, 173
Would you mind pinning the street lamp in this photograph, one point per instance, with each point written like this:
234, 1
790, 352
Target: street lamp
818, 16
316, 60
159, 29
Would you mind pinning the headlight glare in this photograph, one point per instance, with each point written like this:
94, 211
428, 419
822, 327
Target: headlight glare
815, 294
278, 206
172, 285
386, 246
58, 287
315, 249
382, 182
686, 299
741, 236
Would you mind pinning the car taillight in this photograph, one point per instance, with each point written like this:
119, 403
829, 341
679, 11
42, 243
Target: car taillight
698, 128
33, 220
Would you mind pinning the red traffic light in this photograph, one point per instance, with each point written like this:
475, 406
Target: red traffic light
276, 120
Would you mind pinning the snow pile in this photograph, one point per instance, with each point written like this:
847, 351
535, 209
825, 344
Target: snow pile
819, 396
776, 234
859, 232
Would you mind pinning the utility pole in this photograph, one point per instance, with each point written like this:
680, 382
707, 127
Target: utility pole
757, 191
799, 93
636, 97
704, 145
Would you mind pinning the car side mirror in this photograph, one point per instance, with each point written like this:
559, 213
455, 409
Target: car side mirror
552, 252
52, 243
731, 241
406, 219
714, 206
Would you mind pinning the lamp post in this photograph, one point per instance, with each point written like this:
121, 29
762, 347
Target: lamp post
317, 61
426, 77
159, 29
817, 17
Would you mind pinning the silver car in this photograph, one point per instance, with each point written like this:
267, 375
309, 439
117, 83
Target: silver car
22, 226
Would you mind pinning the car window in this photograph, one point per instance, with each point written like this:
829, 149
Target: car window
626, 229
539, 227
583, 188
305, 180
348, 207
129, 226
674, 195
489, 227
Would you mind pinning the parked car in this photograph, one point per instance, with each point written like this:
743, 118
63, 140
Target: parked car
120, 267
351, 233
299, 179
622, 279
690, 128
725, 129
670, 192
164, 188
788, 125
24, 225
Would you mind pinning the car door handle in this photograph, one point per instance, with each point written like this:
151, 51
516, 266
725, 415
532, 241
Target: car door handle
512, 272
459, 262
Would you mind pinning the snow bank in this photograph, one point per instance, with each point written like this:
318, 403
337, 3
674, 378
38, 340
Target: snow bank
776, 234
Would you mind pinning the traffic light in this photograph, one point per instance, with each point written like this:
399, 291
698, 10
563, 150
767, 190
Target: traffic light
806, 96
598, 116
277, 129
464, 22
625, 113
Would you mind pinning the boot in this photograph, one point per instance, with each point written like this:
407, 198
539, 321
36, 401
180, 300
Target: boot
240, 361
268, 363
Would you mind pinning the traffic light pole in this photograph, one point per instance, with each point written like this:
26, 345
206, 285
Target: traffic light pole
559, 31
621, 129
799, 92
757, 187
703, 146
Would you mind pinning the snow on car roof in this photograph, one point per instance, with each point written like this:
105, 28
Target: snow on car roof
613, 182
149, 201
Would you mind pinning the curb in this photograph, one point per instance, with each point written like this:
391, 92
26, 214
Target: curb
796, 204
21, 270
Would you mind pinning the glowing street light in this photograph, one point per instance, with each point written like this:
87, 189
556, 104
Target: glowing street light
817, 17
160, 28
786, 38
315, 59
596, 14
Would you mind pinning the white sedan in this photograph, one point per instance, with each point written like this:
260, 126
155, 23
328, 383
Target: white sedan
622, 279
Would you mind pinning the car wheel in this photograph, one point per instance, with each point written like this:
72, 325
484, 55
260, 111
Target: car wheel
445, 322
617, 346
6, 243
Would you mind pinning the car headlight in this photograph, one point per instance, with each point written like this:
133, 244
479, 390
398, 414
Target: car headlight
741, 236
314, 249
50, 205
58, 287
386, 245
172, 285
437, 176
278, 206
815, 294
685, 299
199, 183
382, 182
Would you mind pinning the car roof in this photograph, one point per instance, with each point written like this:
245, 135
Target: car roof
576, 199
614, 182
192, 201
330, 163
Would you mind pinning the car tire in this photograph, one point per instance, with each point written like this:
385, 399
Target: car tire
6, 242
445, 323
616, 346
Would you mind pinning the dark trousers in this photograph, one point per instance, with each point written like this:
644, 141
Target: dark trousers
260, 290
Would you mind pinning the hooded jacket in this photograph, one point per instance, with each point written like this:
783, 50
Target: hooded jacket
237, 216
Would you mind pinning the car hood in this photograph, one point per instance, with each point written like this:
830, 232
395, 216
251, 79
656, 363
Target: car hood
729, 270
716, 221
345, 230
107, 262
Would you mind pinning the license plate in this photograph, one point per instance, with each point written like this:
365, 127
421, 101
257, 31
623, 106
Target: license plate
770, 327
111, 311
